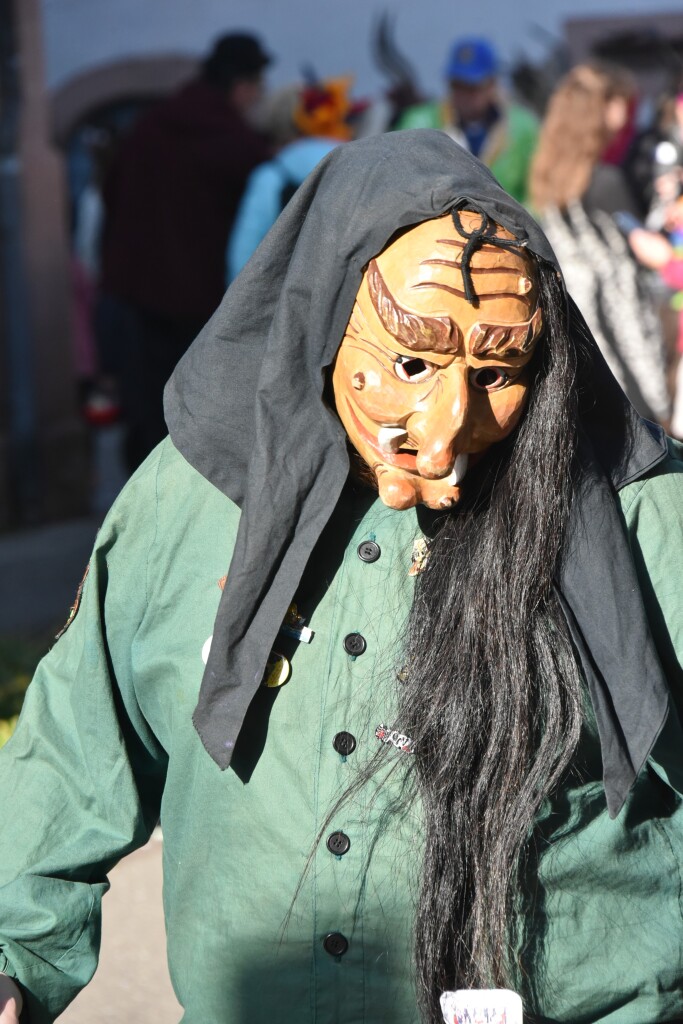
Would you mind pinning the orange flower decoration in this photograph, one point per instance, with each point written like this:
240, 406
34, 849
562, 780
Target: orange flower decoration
323, 108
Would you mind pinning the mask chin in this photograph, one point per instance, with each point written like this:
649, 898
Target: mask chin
400, 491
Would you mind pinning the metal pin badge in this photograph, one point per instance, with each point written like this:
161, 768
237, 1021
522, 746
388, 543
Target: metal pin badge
396, 738
419, 556
293, 626
278, 670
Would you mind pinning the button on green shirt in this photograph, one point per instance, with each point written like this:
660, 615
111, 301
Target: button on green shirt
105, 745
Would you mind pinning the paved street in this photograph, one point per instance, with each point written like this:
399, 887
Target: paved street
40, 569
131, 983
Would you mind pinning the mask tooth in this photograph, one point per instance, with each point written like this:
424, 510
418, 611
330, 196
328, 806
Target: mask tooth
459, 469
391, 438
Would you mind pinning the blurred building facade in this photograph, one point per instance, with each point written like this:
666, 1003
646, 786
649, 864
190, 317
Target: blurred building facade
43, 458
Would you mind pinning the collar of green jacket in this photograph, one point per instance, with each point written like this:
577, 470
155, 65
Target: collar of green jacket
246, 408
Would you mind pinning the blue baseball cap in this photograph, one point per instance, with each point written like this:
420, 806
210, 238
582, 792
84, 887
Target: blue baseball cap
472, 61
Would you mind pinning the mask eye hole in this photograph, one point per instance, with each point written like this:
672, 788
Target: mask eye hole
412, 369
489, 378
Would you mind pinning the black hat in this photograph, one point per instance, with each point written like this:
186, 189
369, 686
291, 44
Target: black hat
235, 55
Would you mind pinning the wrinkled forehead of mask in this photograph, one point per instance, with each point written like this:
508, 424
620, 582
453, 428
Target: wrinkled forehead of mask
424, 269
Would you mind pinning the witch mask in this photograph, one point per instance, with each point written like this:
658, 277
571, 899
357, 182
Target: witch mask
426, 381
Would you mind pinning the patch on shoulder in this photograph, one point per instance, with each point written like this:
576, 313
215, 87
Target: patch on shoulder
76, 605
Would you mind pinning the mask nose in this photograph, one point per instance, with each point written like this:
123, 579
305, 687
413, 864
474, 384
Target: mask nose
440, 433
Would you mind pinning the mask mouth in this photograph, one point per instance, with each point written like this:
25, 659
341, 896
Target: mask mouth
395, 447
457, 474
391, 439
390, 442
395, 440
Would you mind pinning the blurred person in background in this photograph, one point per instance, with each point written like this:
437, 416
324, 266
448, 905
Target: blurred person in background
99, 393
588, 213
170, 200
665, 255
666, 216
654, 161
384, 111
654, 169
304, 122
476, 114
668, 170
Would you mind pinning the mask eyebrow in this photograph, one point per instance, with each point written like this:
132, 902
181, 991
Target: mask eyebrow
420, 333
505, 339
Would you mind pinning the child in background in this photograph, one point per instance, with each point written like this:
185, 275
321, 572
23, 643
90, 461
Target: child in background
305, 123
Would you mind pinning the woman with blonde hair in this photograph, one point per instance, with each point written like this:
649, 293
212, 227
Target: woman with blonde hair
588, 213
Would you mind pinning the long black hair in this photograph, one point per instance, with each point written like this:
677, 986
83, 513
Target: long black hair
491, 692
489, 687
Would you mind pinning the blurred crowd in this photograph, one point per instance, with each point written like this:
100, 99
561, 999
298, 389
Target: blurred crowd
179, 193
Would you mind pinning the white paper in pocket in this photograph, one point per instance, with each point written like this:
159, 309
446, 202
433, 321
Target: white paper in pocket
481, 1006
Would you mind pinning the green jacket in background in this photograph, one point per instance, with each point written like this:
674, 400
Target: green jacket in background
509, 146
105, 746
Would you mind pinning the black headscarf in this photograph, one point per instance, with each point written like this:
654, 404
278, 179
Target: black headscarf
245, 407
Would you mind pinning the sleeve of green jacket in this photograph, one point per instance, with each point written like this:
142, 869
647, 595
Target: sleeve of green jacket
82, 776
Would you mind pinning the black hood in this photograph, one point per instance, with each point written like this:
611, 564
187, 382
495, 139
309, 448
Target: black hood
245, 407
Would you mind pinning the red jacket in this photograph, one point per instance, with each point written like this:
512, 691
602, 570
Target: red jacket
171, 197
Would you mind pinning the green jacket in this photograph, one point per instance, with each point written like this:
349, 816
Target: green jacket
509, 146
105, 745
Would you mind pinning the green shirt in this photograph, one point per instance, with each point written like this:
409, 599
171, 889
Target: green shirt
105, 745
509, 146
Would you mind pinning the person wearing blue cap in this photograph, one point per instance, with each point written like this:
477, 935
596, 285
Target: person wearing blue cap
477, 115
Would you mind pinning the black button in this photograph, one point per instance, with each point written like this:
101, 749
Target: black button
368, 551
335, 944
338, 843
354, 643
344, 743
